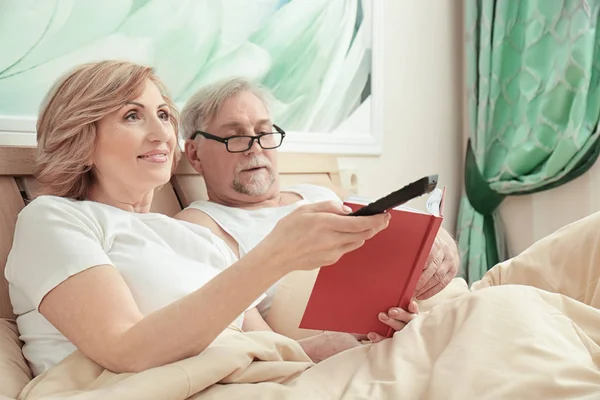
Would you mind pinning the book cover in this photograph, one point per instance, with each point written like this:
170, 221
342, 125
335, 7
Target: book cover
383, 273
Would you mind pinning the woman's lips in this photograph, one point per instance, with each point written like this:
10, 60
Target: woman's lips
155, 158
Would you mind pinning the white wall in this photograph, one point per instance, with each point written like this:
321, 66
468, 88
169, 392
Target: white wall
422, 99
529, 218
422, 102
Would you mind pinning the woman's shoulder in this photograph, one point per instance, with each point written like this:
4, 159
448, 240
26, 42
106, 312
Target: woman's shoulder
42, 205
47, 217
52, 208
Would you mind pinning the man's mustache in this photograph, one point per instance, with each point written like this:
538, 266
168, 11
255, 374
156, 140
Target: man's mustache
254, 162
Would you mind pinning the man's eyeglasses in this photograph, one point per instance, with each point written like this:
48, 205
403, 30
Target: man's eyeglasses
240, 143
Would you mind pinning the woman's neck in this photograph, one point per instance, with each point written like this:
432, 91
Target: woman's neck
125, 200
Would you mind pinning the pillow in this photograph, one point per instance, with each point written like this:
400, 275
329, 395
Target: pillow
289, 303
14, 371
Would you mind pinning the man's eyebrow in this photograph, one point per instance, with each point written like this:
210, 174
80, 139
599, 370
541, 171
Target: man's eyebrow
264, 122
140, 105
235, 124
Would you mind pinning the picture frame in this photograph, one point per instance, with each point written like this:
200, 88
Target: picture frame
42, 54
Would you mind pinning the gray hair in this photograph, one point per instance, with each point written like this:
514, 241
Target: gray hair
206, 102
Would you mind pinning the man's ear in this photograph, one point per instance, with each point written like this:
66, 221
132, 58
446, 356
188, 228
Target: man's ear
191, 152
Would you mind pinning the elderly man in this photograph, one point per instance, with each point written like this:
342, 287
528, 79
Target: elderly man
231, 142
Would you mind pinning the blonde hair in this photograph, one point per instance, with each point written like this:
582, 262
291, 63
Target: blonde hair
66, 126
206, 103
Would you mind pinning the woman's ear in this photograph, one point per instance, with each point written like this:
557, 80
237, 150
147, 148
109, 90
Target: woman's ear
90, 161
191, 153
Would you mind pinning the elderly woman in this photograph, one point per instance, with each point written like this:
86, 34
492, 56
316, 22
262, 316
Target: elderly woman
91, 268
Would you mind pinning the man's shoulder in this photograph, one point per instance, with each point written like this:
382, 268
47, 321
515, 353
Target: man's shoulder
312, 192
196, 216
193, 215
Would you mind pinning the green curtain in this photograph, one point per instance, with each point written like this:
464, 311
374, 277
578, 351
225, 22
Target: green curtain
533, 103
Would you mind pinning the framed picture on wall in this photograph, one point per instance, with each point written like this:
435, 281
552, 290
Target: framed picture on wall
319, 58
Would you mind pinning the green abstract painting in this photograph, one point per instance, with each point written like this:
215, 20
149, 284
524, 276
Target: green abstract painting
314, 55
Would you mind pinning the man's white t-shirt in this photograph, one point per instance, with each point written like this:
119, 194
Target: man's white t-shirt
161, 260
250, 227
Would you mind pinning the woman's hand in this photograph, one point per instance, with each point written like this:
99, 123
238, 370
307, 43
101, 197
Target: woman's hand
317, 235
396, 318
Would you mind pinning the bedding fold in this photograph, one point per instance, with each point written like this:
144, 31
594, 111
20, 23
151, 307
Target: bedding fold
529, 329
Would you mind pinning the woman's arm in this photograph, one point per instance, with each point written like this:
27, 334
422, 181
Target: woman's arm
96, 311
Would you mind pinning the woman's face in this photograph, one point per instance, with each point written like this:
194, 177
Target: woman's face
135, 147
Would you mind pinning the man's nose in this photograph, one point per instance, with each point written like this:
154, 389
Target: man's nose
255, 148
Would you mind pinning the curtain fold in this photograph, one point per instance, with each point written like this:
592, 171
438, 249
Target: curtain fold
533, 103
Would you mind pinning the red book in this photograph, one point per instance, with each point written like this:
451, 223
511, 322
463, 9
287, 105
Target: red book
383, 273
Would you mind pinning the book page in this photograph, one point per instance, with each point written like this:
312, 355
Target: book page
434, 202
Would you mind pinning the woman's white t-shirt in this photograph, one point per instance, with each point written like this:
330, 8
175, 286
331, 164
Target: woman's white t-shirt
161, 260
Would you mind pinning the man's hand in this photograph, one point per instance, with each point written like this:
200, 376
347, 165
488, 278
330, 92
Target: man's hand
327, 344
440, 268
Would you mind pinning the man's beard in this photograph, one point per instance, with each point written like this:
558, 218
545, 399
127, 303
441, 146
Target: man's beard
254, 187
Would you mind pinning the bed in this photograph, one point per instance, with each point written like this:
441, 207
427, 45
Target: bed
498, 339
17, 185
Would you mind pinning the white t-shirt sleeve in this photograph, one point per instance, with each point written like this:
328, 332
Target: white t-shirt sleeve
54, 239
314, 193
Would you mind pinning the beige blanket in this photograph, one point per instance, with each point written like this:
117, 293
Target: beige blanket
500, 340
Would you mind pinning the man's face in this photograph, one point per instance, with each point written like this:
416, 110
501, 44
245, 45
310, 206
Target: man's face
236, 178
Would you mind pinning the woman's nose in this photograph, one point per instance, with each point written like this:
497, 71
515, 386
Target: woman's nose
160, 130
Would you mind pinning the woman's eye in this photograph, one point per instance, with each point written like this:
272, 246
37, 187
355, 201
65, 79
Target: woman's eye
132, 116
163, 115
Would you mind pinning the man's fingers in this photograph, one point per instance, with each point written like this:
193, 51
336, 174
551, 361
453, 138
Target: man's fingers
434, 258
430, 292
437, 286
438, 276
453, 268
436, 255
424, 279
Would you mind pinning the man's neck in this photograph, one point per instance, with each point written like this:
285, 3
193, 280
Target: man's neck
277, 199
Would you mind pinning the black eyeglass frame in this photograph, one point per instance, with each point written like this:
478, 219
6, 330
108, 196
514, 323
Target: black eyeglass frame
251, 139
